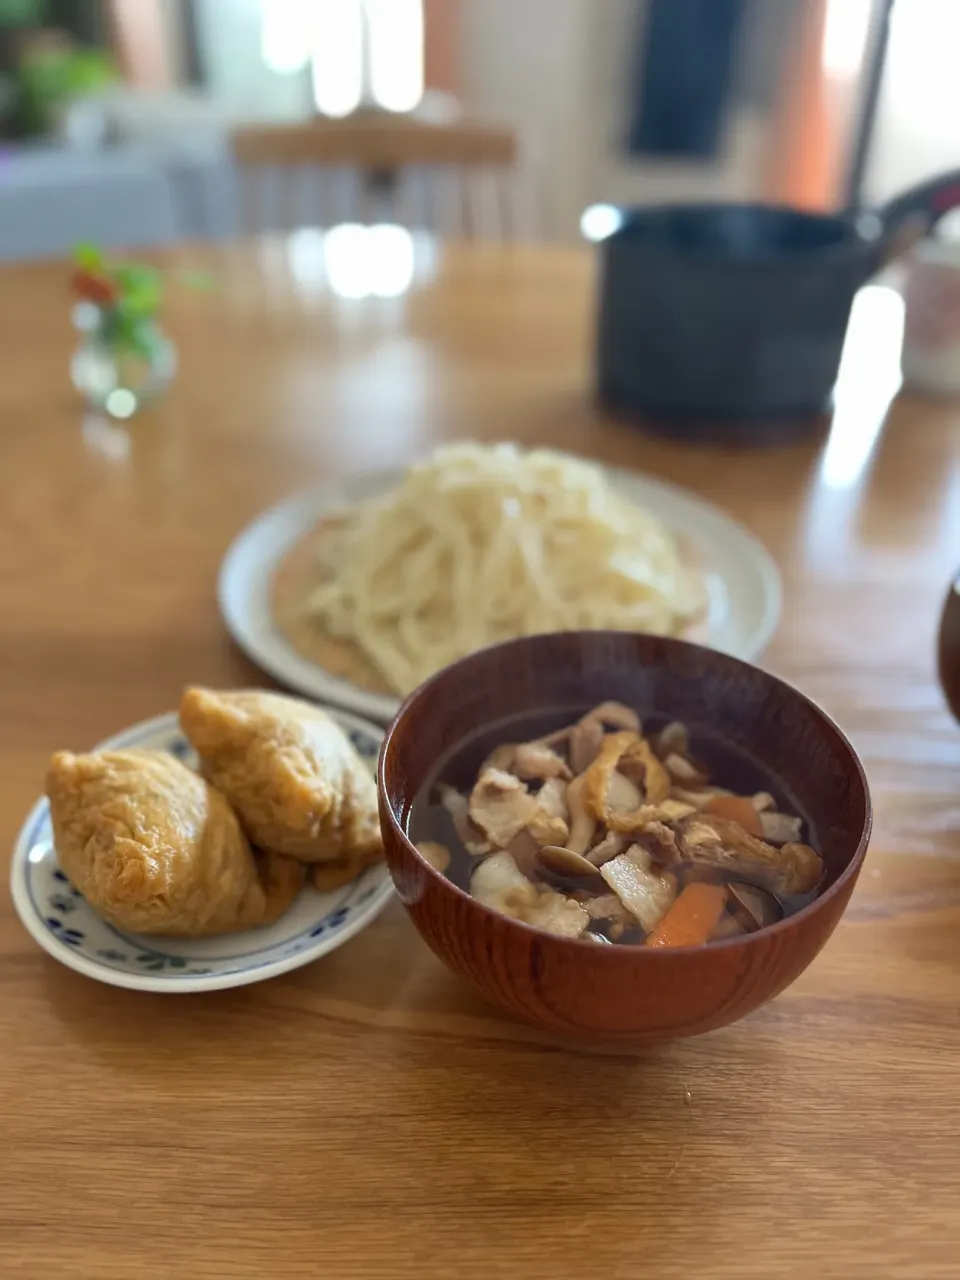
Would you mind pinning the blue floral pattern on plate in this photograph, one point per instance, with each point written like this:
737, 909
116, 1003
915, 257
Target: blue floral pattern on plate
62, 922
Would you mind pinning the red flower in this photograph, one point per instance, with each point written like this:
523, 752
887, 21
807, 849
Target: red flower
94, 288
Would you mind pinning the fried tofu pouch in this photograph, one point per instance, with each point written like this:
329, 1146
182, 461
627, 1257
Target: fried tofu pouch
155, 849
290, 772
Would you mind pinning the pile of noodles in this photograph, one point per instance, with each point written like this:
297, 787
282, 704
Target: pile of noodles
480, 544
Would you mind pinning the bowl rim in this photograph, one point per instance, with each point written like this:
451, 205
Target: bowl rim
850, 872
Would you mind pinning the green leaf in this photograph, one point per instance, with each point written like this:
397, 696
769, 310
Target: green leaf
127, 333
111, 324
88, 256
85, 71
140, 337
136, 276
140, 303
141, 290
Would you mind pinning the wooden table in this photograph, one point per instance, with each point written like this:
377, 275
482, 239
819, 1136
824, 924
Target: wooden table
368, 1115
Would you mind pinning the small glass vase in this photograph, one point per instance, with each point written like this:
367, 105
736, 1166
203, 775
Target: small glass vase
119, 374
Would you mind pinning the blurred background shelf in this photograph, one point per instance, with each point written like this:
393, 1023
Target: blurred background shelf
561, 79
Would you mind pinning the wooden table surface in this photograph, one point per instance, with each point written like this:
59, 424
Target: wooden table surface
368, 1115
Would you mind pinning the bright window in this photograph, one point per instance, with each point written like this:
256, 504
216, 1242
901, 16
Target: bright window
395, 30
336, 59
285, 35
356, 50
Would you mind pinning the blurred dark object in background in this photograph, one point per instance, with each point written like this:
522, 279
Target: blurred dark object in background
736, 313
685, 76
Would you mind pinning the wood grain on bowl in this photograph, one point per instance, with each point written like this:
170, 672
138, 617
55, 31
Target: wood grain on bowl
626, 993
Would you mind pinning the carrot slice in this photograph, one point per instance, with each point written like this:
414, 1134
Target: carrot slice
737, 809
692, 918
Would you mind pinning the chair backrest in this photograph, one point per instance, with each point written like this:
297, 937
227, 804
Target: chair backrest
407, 168
374, 140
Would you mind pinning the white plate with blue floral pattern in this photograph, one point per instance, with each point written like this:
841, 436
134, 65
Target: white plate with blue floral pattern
65, 926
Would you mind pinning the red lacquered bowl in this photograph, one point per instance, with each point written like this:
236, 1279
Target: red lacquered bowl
625, 994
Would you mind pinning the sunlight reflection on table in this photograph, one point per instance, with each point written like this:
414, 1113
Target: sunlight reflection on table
868, 380
355, 261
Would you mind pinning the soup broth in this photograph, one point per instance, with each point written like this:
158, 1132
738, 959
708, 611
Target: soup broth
614, 831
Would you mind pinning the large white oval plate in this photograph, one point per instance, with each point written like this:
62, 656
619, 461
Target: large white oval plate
742, 580
63, 924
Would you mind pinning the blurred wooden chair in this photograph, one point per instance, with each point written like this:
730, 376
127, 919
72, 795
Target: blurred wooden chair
455, 177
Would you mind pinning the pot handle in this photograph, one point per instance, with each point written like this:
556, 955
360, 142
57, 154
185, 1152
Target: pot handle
912, 215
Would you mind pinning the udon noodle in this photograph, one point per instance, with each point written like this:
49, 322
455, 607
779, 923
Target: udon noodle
482, 544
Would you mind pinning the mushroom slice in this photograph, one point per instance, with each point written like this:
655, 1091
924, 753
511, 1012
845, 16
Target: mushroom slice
587, 736
458, 806
752, 906
499, 884
500, 758
586, 739
532, 761
674, 810
630, 823
438, 855
582, 825
558, 861
500, 805
700, 798
780, 828
640, 819
673, 739
644, 893
536, 761
612, 844
763, 801
660, 841
615, 714
523, 848
718, 842
682, 770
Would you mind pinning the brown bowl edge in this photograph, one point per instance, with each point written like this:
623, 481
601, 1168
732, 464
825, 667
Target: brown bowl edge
851, 872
